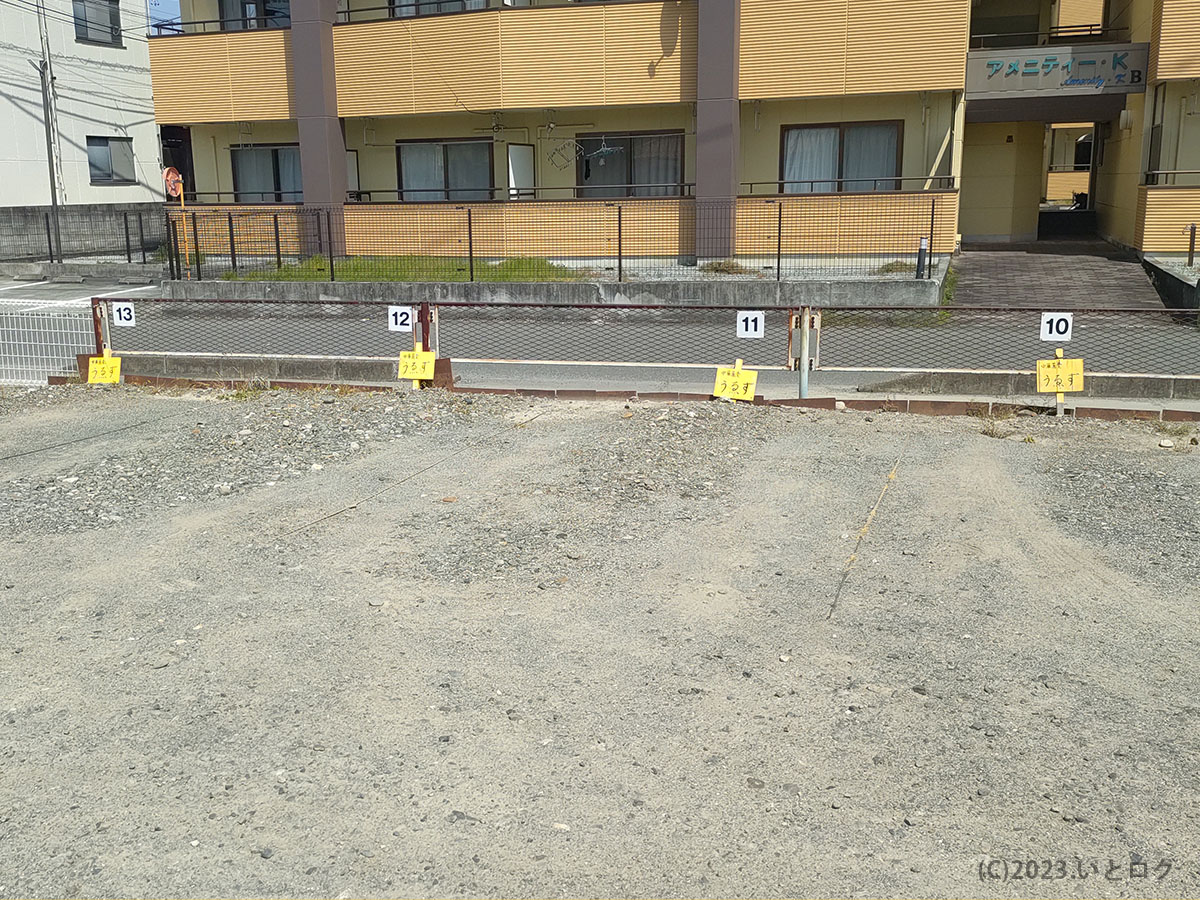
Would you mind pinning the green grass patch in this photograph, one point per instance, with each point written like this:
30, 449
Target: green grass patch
725, 267
413, 268
896, 267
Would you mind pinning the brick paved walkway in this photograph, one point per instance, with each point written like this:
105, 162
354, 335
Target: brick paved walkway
1054, 275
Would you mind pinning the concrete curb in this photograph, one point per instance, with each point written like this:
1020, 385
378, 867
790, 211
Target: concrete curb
913, 405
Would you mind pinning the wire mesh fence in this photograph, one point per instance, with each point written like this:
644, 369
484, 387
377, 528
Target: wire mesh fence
352, 330
38, 340
884, 236
938, 339
88, 233
951, 339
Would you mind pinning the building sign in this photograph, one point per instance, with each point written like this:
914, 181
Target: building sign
1058, 71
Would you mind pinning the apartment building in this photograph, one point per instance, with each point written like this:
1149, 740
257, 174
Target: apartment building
965, 114
102, 137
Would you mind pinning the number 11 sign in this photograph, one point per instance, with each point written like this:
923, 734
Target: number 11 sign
750, 323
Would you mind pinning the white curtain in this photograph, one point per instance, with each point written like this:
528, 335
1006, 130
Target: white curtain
291, 186
869, 157
423, 172
470, 175
656, 162
810, 161
253, 175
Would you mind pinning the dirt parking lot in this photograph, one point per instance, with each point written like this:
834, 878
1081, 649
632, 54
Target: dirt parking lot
433, 645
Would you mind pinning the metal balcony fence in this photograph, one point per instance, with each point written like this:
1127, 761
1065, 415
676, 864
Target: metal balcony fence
84, 234
880, 236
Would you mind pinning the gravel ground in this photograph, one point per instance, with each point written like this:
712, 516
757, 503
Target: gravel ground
404, 644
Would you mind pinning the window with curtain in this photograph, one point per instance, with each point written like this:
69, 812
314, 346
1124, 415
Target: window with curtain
97, 21
110, 160
239, 15
409, 8
630, 165
267, 174
827, 158
430, 171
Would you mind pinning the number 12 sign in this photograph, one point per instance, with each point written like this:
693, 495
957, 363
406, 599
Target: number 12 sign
400, 318
751, 323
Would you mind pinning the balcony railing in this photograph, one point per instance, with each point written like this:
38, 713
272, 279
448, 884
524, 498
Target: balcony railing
1173, 178
410, 9
211, 26
791, 187
1068, 34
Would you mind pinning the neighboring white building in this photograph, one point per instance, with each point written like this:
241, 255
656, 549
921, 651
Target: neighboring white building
105, 138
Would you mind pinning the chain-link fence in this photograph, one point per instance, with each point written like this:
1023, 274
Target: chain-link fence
879, 236
89, 233
42, 339
952, 339
351, 330
939, 339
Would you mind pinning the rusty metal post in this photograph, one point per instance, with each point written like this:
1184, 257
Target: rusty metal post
424, 317
1192, 245
232, 246
779, 242
620, 249
98, 324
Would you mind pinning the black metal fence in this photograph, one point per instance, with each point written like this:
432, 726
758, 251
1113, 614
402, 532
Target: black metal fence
89, 233
879, 236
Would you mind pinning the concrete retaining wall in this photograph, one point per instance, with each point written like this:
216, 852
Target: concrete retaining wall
1175, 292
746, 295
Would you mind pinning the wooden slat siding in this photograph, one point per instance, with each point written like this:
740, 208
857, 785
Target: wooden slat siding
914, 45
1063, 185
793, 49
554, 52
236, 76
1178, 31
508, 230
1162, 214
638, 36
526, 58
254, 229
1080, 12
823, 224
831, 47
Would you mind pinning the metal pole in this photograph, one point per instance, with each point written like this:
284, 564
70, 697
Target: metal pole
49, 238
620, 249
44, 68
278, 250
470, 245
779, 243
128, 245
1192, 245
932, 224
196, 244
232, 245
329, 230
97, 325
424, 317
172, 250
805, 318
141, 237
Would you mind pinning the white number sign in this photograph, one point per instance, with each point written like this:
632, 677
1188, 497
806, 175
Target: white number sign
400, 318
122, 313
750, 323
1057, 326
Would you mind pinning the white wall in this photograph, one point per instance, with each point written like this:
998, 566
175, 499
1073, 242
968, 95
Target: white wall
99, 91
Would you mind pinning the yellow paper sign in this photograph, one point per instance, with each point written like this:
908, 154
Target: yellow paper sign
1059, 376
736, 383
417, 365
104, 370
